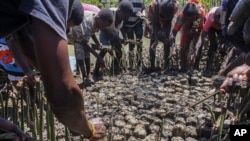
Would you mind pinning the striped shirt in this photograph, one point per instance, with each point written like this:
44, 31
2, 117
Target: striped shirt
138, 6
114, 29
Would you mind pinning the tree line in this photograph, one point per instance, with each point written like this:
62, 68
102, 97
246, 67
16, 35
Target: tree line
113, 3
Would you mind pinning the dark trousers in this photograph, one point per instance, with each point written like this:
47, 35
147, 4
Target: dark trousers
213, 37
161, 37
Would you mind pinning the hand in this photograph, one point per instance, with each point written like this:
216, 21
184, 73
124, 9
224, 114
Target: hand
234, 78
101, 62
99, 45
31, 79
100, 129
172, 40
166, 41
124, 41
147, 31
154, 45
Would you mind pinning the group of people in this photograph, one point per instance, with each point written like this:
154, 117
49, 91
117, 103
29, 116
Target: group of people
128, 24
38, 32
193, 22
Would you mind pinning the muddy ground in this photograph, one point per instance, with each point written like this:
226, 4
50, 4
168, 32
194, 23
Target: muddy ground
153, 106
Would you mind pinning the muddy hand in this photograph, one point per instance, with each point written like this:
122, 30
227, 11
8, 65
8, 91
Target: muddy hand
100, 129
99, 45
101, 62
154, 45
234, 78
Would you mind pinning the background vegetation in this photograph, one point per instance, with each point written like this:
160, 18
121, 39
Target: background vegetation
113, 3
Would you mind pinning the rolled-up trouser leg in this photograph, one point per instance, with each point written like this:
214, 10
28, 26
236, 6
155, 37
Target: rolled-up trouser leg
183, 59
117, 59
166, 55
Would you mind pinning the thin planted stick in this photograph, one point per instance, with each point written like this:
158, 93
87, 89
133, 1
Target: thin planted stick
15, 109
221, 125
201, 101
158, 138
67, 134
52, 125
2, 103
211, 112
22, 108
48, 123
41, 123
97, 104
6, 102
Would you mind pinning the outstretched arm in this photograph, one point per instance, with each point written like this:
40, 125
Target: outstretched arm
62, 92
91, 50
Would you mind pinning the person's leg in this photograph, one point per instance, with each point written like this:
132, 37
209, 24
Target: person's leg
166, 55
152, 55
139, 34
167, 46
77, 71
131, 54
87, 65
212, 48
199, 47
81, 67
184, 45
80, 55
118, 55
77, 68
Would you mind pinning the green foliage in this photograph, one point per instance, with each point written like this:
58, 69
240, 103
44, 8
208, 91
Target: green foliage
102, 3
112, 3
94, 2
210, 3
207, 3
